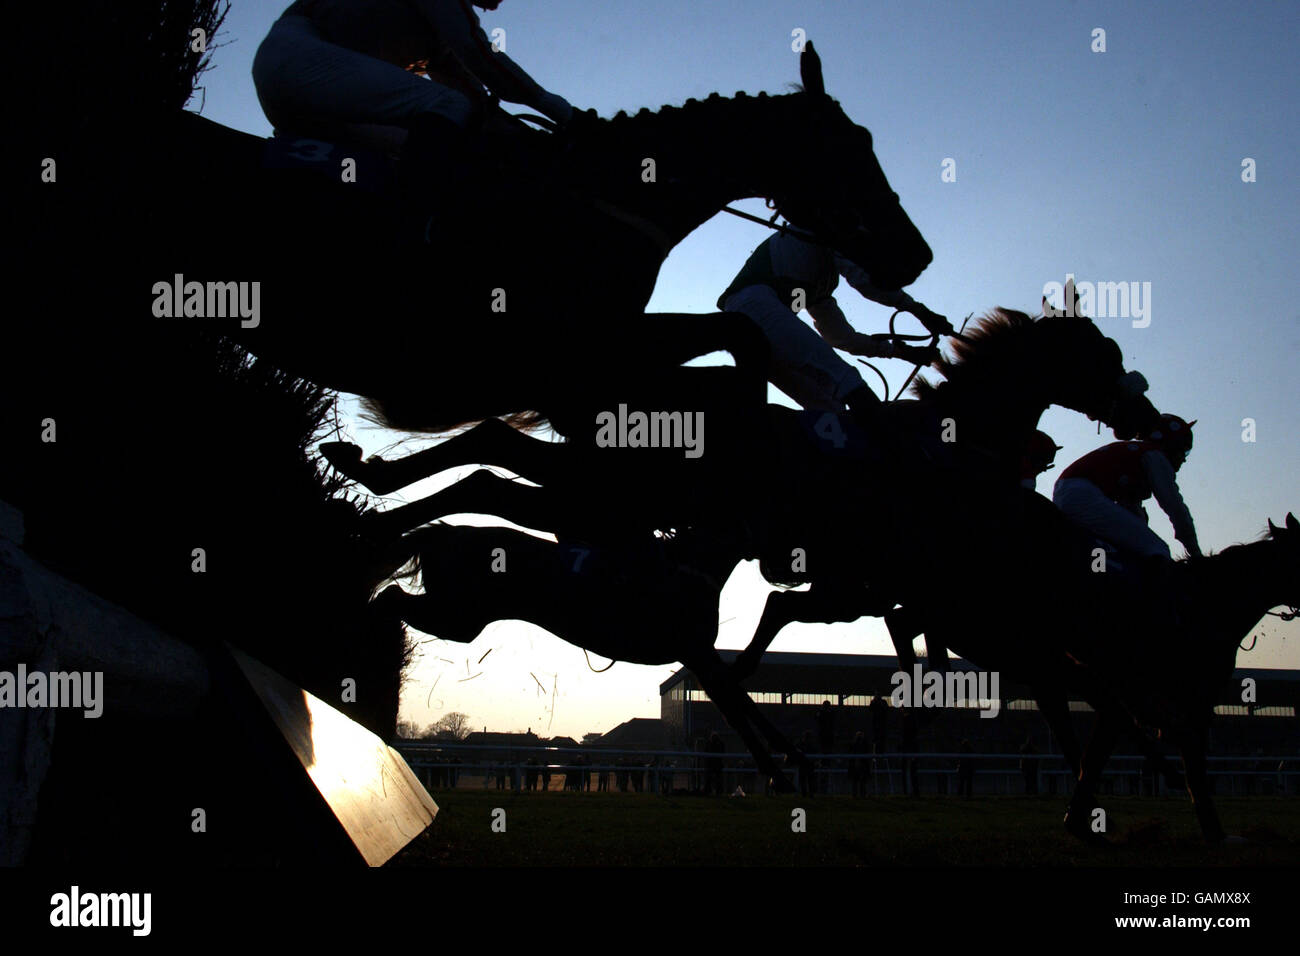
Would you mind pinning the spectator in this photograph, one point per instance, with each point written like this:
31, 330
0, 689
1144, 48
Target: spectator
858, 766
879, 710
965, 771
910, 768
713, 774
808, 781
826, 728
1029, 767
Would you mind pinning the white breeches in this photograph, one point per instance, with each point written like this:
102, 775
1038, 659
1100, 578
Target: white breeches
804, 366
1083, 503
307, 84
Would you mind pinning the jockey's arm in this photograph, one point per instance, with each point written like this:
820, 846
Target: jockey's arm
832, 326
1160, 473
855, 276
459, 28
858, 278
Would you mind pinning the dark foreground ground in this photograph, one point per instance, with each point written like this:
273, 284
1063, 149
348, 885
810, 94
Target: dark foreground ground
622, 829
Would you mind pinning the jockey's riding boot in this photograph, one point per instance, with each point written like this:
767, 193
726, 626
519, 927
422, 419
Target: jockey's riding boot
864, 404
873, 415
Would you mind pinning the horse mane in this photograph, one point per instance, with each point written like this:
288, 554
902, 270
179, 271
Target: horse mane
990, 332
706, 111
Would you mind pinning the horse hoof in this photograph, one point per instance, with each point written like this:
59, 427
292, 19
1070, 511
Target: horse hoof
343, 455
1079, 828
782, 784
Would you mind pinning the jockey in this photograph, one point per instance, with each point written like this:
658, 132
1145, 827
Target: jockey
785, 274
341, 66
1103, 491
1039, 456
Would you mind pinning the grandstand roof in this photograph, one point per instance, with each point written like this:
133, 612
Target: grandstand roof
869, 675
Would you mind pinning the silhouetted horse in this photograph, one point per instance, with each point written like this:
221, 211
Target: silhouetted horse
1150, 655
798, 490
654, 602
514, 307
767, 496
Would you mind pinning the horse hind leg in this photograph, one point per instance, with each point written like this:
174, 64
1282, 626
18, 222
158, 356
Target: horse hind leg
490, 442
483, 493
424, 612
463, 589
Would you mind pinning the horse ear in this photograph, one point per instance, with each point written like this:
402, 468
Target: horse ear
1071, 296
810, 71
1291, 523
1272, 529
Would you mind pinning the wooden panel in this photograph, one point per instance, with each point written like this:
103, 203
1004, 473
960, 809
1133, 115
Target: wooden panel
368, 786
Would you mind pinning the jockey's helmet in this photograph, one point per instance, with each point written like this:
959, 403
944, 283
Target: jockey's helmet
1173, 433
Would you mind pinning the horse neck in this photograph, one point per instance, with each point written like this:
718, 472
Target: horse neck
1232, 591
990, 414
706, 154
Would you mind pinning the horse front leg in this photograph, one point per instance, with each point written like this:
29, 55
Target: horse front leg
1079, 817
731, 700
1193, 748
820, 604
680, 337
904, 625
1055, 708
777, 613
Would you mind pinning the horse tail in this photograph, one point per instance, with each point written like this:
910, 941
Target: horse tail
408, 417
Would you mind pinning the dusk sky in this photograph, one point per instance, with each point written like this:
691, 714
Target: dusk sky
1117, 166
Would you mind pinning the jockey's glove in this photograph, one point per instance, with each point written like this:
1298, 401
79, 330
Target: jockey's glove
556, 108
934, 323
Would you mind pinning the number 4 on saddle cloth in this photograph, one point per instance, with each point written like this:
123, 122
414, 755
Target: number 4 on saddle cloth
840, 435
843, 435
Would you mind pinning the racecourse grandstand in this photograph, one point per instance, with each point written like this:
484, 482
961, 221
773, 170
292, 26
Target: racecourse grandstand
790, 689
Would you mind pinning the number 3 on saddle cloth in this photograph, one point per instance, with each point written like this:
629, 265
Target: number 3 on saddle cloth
366, 169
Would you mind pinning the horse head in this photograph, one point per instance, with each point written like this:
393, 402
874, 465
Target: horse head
1287, 540
1088, 375
1177, 675
840, 194
1054, 360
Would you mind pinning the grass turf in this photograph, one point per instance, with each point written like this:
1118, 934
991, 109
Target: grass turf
627, 829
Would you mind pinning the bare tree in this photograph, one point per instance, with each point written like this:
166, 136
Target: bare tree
455, 725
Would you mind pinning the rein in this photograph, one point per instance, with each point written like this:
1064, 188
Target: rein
1288, 615
933, 338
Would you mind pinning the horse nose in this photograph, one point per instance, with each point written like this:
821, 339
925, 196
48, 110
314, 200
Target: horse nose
904, 268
